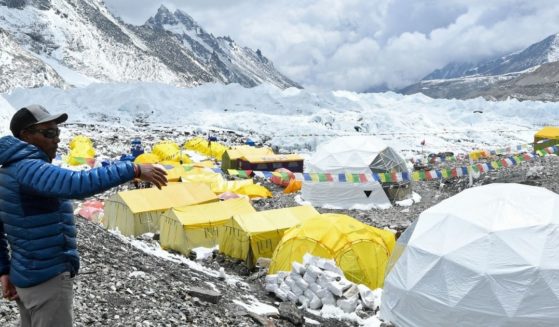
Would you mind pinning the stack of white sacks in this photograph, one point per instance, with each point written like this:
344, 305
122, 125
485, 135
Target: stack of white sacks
319, 282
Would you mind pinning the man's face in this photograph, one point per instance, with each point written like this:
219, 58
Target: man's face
44, 136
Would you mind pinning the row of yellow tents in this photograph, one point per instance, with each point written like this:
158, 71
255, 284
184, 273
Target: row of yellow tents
189, 215
165, 153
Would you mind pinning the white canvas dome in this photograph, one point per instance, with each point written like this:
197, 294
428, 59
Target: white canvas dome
488, 256
354, 154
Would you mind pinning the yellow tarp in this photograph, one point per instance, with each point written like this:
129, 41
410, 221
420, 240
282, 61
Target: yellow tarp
185, 228
254, 191
360, 251
211, 149
179, 171
214, 180
190, 172
168, 150
147, 158
136, 212
548, 133
81, 151
202, 175
251, 236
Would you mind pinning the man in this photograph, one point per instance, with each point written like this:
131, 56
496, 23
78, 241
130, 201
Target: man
37, 220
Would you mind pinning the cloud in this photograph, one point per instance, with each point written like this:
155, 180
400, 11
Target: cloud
360, 45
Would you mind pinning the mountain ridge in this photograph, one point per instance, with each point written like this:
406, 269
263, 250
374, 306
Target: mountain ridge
523, 75
82, 35
536, 54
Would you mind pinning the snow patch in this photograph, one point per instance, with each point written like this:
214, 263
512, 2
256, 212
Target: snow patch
257, 307
156, 250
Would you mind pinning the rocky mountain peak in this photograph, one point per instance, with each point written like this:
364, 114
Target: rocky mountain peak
84, 37
553, 48
536, 54
186, 20
163, 17
527, 74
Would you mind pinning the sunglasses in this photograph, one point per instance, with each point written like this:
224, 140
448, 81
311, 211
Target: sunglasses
49, 133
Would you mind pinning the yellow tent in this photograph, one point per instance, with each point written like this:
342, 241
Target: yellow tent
231, 157
251, 236
175, 173
546, 137
360, 251
200, 175
197, 173
80, 140
81, 151
168, 150
147, 157
216, 182
137, 212
185, 228
478, 154
209, 148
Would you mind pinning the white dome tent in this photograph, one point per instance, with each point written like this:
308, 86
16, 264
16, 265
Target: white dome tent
356, 155
485, 257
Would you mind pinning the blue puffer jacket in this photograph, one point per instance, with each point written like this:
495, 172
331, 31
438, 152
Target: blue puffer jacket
36, 218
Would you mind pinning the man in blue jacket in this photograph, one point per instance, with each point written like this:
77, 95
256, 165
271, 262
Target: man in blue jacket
36, 217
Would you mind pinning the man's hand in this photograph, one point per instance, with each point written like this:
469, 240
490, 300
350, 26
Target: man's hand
153, 174
8, 289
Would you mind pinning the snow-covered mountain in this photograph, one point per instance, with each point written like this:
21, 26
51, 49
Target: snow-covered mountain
539, 53
498, 78
221, 56
82, 40
20, 67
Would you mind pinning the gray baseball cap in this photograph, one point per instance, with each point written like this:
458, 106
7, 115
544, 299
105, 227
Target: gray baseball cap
32, 115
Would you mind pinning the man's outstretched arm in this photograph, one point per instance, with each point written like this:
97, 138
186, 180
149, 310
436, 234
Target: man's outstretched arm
52, 181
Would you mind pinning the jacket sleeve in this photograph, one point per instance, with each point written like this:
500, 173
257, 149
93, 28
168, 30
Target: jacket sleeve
49, 180
4, 255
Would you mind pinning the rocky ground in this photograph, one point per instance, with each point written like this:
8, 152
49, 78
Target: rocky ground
120, 285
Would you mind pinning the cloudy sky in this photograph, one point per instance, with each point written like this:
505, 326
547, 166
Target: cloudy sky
364, 44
